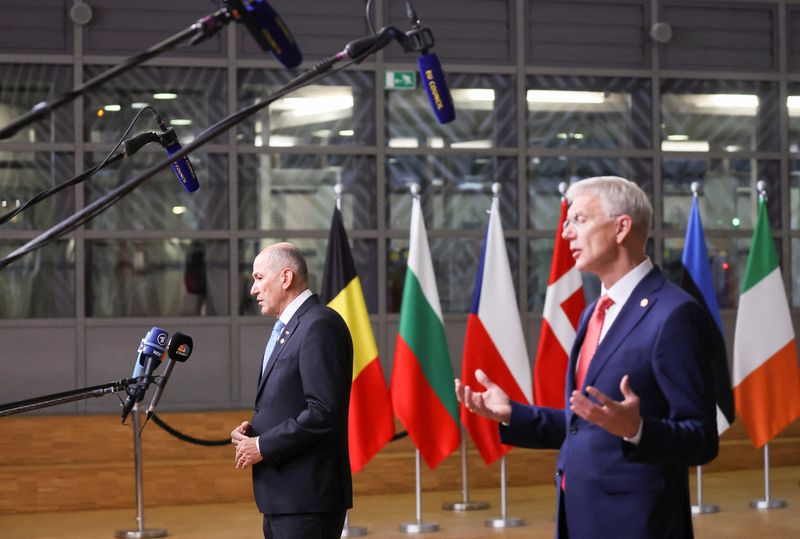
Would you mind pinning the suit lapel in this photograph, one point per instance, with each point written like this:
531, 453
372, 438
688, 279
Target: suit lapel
640, 302
287, 333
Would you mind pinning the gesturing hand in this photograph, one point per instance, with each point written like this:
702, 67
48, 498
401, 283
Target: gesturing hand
619, 418
493, 403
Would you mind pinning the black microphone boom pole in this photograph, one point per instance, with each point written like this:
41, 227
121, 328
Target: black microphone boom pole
207, 26
364, 48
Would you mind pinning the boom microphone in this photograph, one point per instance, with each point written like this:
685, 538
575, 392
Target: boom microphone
436, 87
268, 29
179, 349
182, 168
151, 349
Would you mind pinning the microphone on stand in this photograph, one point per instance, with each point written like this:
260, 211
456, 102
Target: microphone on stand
179, 349
182, 167
151, 349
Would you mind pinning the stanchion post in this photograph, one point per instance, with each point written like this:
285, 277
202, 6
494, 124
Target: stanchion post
140, 532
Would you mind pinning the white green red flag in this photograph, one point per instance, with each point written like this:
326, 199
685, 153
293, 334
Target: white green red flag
766, 378
422, 376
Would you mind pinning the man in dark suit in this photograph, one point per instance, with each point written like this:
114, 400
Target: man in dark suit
641, 400
297, 439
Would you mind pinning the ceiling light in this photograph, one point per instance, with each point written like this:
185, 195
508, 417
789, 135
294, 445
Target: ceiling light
684, 146
475, 94
180, 121
564, 96
346, 133
677, 137
309, 106
139, 105
178, 210
112, 108
165, 96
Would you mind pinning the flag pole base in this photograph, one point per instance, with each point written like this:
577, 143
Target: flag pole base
141, 534
354, 531
704, 509
419, 527
768, 504
465, 506
512, 522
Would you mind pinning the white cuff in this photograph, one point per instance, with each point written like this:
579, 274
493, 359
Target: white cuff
638, 436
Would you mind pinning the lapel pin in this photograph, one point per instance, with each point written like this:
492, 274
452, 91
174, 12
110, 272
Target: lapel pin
643, 303
283, 341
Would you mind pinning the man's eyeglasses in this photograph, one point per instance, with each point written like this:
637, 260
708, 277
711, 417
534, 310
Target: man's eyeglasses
580, 219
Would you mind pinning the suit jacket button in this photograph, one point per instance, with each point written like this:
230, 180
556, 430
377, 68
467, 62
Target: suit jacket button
573, 430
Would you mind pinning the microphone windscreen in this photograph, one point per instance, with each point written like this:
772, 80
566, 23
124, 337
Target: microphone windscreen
183, 169
436, 87
180, 347
271, 33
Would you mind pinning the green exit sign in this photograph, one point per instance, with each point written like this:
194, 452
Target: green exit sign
401, 80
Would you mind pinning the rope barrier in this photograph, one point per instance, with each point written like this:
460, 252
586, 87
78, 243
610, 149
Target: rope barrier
198, 441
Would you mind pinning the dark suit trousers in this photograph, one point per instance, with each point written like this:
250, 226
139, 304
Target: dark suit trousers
304, 525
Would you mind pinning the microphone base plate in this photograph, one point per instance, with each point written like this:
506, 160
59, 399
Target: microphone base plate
141, 534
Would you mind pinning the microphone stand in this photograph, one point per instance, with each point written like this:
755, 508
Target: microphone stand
199, 31
125, 384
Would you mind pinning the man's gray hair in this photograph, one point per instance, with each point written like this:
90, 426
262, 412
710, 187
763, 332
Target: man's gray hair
619, 197
286, 255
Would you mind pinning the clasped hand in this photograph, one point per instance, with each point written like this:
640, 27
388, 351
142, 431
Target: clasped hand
247, 452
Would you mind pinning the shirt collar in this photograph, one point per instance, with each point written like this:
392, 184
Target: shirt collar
290, 309
623, 288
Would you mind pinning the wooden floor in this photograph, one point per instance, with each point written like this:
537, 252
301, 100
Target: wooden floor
732, 491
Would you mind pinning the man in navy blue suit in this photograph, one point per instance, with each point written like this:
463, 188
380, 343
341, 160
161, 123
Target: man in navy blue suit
639, 385
296, 442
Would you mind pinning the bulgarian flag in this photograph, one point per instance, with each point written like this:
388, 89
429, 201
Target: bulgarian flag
370, 420
563, 304
766, 381
422, 378
494, 341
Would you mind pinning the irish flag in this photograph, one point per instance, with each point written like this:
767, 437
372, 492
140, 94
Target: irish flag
371, 423
423, 394
563, 304
494, 341
766, 381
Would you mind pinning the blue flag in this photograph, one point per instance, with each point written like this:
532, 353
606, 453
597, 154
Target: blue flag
696, 279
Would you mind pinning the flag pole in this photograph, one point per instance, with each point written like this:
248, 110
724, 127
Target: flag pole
465, 504
767, 502
347, 530
504, 521
700, 508
418, 526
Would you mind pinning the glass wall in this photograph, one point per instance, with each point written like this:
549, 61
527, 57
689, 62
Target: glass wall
358, 136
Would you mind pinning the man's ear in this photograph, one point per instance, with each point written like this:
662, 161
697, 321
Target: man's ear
287, 278
624, 227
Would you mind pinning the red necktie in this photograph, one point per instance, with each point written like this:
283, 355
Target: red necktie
592, 339
590, 342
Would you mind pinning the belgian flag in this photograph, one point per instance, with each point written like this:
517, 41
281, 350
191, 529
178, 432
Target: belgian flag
371, 421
